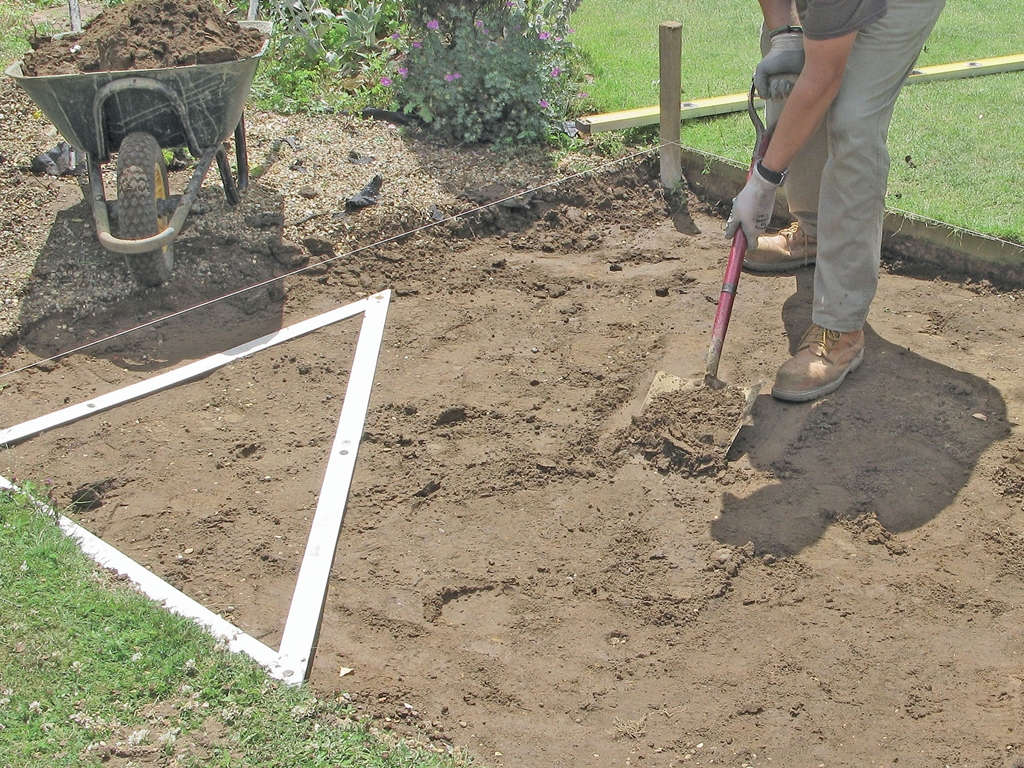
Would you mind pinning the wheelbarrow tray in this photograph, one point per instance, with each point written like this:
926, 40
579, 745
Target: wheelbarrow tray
210, 98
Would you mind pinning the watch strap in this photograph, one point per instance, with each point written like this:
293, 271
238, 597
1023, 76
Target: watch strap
784, 30
775, 177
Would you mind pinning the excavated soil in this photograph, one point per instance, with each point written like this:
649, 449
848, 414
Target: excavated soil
145, 34
530, 566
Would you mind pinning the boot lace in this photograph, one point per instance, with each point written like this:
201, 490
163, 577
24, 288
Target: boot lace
795, 234
822, 336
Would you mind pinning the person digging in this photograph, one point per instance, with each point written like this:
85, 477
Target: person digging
831, 71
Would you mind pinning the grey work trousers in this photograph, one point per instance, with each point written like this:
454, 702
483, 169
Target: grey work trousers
836, 184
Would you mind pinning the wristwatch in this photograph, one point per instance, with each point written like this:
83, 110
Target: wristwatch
775, 177
784, 30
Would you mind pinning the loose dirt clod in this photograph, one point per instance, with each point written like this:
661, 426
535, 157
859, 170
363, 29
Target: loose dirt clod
688, 430
145, 34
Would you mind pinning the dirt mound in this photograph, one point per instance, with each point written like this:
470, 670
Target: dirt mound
145, 34
688, 430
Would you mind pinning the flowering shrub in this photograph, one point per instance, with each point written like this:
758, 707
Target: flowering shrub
501, 74
322, 51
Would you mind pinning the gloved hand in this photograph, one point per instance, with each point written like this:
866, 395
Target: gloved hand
778, 70
752, 208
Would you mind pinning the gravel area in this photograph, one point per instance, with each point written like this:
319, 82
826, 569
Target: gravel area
305, 169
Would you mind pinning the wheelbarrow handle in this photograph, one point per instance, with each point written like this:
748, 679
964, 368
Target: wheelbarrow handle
75, 13
129, 247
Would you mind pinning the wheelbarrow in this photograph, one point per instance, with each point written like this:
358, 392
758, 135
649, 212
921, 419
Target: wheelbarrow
137, 114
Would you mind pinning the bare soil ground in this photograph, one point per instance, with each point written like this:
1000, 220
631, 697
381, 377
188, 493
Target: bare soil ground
529, 568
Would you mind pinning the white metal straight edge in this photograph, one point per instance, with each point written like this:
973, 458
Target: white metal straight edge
159, 590
302, 627
737, 102
12, 435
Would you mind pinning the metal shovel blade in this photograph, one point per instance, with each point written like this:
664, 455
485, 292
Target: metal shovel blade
699, 423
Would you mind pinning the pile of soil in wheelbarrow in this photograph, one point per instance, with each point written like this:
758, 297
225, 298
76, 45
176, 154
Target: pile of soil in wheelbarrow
145, 34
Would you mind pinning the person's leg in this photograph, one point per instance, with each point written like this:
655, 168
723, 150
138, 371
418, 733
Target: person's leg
852, 201
853, 184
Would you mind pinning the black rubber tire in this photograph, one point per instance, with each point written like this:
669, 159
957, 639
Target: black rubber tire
141, 186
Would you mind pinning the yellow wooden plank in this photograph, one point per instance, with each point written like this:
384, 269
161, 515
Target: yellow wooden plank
737, 102
992, 66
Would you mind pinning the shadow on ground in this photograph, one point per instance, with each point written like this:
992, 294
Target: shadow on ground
81, 293
898, 441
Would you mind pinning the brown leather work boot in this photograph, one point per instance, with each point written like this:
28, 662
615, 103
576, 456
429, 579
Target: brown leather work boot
820, 364
782, 252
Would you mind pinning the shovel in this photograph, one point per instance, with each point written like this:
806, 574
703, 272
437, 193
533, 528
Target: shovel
734, 265
698, 438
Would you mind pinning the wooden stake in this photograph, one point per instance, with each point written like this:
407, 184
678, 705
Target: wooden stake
670, 53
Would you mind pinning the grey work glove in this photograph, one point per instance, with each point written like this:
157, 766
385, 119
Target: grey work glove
778, 70
752, 207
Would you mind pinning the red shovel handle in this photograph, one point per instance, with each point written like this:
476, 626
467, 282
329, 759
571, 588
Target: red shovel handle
734, 266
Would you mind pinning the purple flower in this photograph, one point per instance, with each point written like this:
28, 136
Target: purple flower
478, 24
417, 45
556, 72
544, 103
396, 36
385, 81
452, 76
433, 24
544, 35
403, 71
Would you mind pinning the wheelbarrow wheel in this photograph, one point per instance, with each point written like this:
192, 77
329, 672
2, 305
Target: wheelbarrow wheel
142, 192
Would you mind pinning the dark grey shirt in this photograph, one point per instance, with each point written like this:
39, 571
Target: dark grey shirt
825, 19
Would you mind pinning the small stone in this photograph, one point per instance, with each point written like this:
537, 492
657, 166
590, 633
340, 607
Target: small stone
319, 247
265, 220
287, 253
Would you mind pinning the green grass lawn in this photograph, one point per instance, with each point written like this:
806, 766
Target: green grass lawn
963, 137
88, 665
